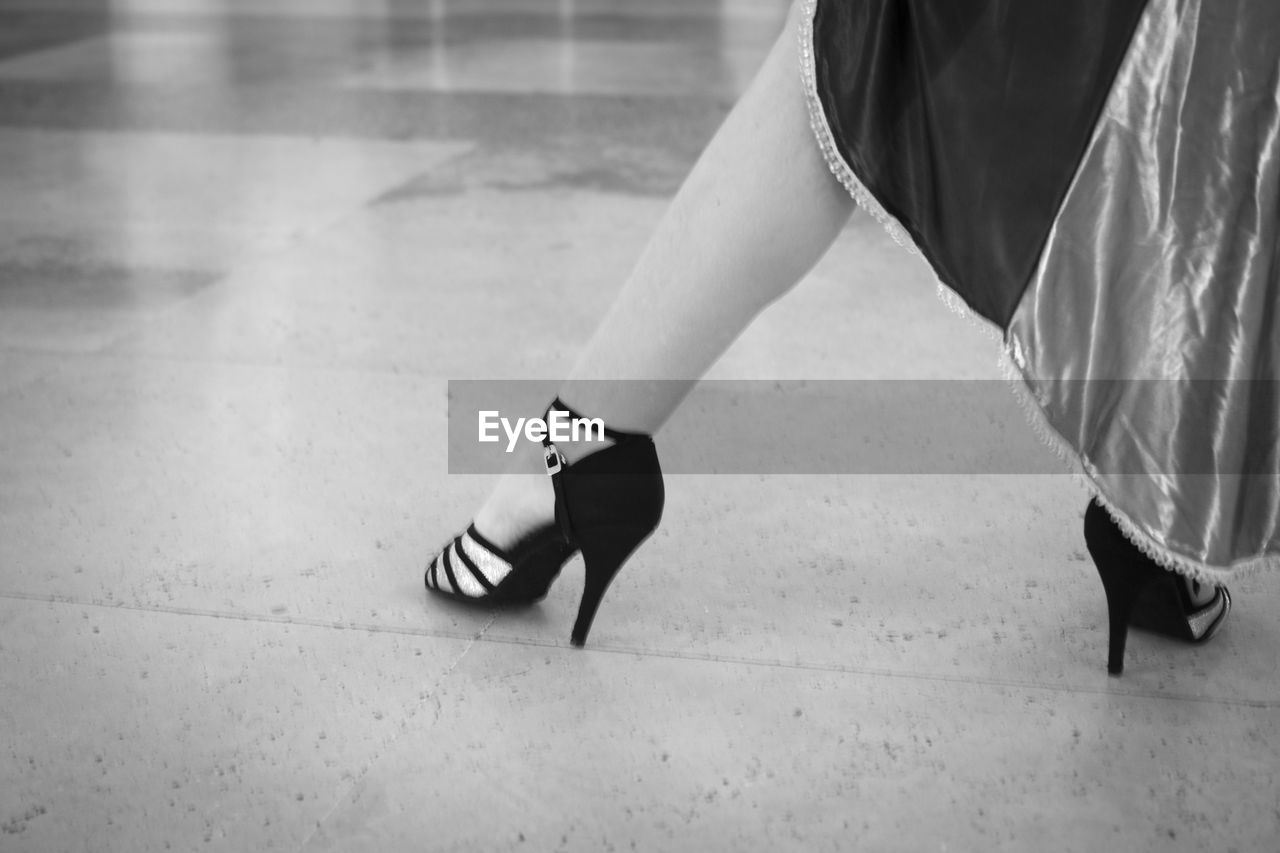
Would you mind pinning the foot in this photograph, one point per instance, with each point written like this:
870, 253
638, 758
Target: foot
519, 503
514, 548
1176, 606
1184, 609
524, 499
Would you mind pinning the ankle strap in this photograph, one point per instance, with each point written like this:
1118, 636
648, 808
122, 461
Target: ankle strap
552, 457
555, 463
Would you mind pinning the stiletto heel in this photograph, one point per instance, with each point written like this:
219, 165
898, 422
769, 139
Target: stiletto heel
1122, 591
606, 504
1142, 593
604, 550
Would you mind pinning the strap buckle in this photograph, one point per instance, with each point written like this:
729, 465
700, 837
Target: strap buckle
552, 458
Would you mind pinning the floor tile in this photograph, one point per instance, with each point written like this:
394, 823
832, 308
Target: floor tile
104, 229
895, 575
128, 730
379, 290
222, 488
177, 201
559, 749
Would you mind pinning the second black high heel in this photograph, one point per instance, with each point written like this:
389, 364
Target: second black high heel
1142, 593
606, 505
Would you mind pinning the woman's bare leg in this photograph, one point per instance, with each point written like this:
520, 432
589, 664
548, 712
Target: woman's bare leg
756, 213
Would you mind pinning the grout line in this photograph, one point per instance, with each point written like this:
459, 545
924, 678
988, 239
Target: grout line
482, 636
264, 618
108, 352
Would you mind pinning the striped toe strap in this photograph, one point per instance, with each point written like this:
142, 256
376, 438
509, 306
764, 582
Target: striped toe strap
468, 568
1206, 621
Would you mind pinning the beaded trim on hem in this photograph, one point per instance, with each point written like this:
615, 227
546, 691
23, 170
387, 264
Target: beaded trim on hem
1085, 475
1083, 471
826, 140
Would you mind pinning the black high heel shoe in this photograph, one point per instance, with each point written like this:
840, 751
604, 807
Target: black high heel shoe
1142, 593
606, 504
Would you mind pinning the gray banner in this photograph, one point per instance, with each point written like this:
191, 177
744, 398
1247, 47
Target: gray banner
796, 427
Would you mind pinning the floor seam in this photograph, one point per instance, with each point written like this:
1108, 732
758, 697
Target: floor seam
176, 358
481, 636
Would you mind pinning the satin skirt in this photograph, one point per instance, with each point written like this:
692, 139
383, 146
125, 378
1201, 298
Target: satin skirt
1102, 183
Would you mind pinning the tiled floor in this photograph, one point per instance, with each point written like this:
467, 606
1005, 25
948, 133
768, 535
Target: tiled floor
244, 244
